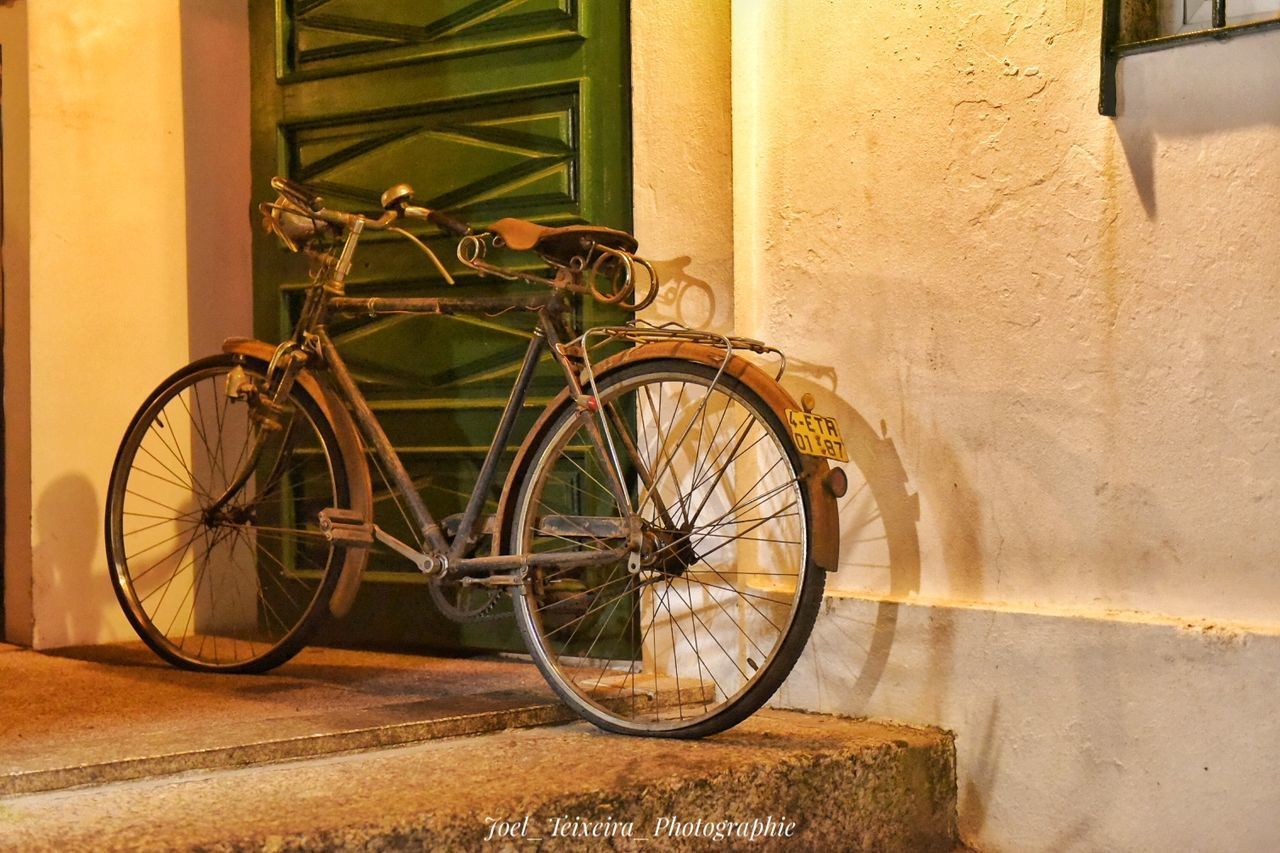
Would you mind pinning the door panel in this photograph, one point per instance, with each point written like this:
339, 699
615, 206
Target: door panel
341, 36
489, 108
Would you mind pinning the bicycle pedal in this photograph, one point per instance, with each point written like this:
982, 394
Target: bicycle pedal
346, 526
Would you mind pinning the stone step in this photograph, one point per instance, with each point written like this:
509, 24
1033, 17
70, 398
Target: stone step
116, 713
218, 747
798, 781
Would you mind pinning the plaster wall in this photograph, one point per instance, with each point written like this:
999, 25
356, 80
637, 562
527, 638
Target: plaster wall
136, 123
1049, 337
682, 134
1067, 324
108, 275
220, 208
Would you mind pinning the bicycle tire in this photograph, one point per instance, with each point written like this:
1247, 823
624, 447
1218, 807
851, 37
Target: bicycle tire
261, 586
689, 590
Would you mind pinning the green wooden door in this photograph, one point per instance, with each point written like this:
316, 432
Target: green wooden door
489, 108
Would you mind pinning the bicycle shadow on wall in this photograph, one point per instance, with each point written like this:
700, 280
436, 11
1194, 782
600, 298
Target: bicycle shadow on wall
880, 550
849, 650
683, 297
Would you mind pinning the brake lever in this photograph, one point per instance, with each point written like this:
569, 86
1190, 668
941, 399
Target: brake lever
299, 193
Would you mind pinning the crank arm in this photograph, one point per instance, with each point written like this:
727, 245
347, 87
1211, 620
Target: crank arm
428, 564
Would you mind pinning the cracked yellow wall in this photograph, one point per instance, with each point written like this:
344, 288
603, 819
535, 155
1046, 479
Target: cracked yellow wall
1055, 334
1066, 323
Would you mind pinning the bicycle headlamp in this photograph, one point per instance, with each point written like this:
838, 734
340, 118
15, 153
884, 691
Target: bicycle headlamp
291, 224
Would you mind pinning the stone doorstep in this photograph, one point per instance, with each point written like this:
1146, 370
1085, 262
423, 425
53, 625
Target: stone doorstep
287, 738
98, 760
844, 784
107, 714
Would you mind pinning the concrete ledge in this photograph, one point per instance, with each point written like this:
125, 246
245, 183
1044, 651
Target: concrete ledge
845, 784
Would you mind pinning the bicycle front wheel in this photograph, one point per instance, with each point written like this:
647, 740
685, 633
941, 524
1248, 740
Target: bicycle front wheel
212, 524
698, 632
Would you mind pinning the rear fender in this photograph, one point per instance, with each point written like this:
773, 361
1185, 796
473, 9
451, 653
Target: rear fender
359, 483
814, 470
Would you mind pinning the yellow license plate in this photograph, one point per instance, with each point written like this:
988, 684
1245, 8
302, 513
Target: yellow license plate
817, 435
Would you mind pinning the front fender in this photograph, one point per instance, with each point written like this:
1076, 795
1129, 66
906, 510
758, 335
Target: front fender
814, 470
359, 483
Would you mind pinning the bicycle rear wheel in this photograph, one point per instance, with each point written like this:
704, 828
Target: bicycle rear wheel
211, 576
705, 629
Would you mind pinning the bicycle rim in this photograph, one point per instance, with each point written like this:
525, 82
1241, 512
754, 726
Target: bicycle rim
235, 588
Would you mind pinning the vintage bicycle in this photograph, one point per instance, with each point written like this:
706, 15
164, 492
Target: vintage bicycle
663, 531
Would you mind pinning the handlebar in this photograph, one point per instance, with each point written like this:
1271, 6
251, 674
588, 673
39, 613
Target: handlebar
296, 217
396, 204
456, 227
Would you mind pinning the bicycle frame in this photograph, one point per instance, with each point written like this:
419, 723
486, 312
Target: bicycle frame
444, 556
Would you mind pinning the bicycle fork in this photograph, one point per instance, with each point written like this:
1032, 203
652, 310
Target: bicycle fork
265, 414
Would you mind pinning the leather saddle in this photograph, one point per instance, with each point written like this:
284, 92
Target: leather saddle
563, 244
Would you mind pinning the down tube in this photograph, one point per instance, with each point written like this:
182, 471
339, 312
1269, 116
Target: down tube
509, 413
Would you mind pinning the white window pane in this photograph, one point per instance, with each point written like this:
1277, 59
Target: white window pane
1198, 14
